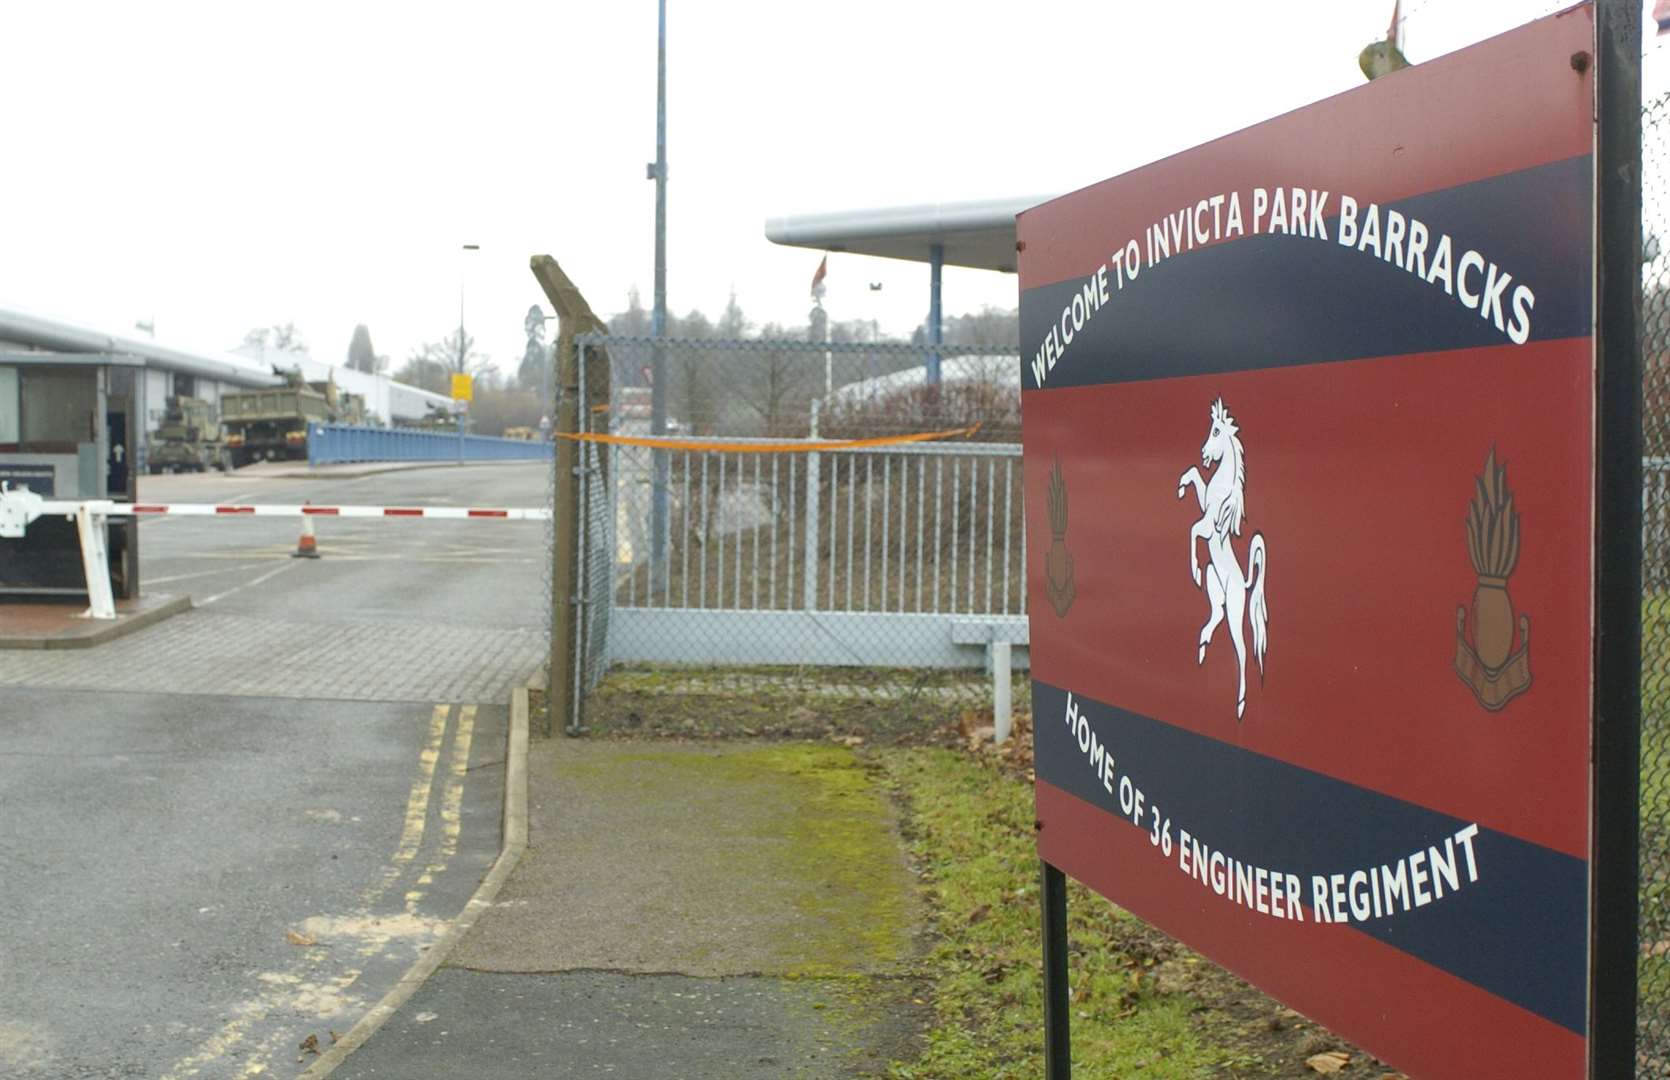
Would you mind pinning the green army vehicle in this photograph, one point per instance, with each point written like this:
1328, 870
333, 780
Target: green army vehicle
189, 439
271, 424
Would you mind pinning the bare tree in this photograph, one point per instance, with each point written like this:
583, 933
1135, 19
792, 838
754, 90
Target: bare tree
774, 383
989, 326
431, 365
283, 336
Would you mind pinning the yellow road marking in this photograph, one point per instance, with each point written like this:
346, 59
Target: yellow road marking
283, 988
452, 801
452, 805
417, 804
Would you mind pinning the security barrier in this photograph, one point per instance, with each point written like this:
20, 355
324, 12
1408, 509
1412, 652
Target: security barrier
338, 444
21, 507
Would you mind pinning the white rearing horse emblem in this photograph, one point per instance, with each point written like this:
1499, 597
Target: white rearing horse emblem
1222, 509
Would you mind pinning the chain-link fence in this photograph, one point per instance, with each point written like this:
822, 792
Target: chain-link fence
745, 581
837, 523
1653, 1012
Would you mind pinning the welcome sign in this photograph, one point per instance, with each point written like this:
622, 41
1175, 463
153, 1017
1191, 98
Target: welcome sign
1310, 459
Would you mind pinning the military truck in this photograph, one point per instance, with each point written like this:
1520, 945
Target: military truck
435, 418
189, 439
271, 424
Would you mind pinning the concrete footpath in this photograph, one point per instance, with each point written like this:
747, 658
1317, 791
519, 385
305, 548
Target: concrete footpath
681, 910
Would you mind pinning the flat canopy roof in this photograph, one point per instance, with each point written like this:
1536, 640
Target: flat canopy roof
58, 338
978, 234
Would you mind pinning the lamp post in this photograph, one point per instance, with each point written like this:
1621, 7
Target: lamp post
658, 320
535, 324
459, 408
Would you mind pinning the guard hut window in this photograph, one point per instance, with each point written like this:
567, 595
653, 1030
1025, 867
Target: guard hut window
8, 408
59, 410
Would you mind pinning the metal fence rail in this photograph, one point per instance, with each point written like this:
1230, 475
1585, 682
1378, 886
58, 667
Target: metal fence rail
334, 444
779, 550
930, 527
879, 557
755, 543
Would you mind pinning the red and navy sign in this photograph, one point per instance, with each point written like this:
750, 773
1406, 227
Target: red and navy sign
1309, 458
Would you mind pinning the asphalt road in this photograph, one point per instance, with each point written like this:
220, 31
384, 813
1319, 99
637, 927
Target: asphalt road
235, 830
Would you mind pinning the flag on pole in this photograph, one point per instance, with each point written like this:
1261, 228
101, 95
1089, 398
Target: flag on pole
817, 278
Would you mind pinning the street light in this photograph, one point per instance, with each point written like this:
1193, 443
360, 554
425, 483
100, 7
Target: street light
658, 320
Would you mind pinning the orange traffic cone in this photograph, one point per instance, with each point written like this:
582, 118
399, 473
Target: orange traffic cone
308, 546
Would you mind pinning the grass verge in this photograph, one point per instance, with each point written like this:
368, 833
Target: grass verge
1142, 1005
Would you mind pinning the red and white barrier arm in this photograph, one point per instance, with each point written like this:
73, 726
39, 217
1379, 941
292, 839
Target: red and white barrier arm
448, 513
20, 506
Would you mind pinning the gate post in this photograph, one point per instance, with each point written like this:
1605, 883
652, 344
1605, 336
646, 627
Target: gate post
1615, 810
574, 317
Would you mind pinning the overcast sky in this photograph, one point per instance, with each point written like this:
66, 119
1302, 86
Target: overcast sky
220, 166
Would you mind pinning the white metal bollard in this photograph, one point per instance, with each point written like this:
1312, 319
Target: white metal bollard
1002, 711
95, 559
809, 557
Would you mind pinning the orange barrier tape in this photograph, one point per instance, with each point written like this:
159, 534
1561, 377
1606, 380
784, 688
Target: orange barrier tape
767, 448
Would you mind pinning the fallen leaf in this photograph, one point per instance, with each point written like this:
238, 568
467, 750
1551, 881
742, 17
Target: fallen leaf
299, 939
979, 914
311, 1044
1331, 1061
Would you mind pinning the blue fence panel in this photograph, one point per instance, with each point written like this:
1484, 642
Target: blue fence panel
337, 444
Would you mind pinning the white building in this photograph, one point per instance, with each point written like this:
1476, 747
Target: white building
387, 400
985, 370
146, 373
158, 371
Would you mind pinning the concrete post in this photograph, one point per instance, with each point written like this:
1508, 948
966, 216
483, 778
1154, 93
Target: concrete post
574, 317
1002, 711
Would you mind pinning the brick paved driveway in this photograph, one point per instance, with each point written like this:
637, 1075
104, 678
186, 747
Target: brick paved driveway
237, 828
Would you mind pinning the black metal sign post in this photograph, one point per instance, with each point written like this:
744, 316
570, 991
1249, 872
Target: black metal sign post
1615, 869
1058, 1054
